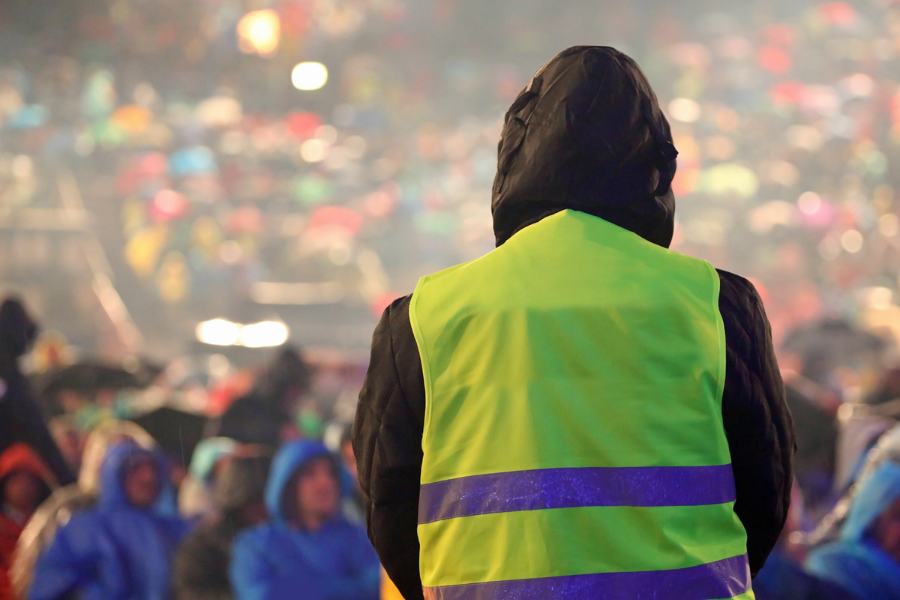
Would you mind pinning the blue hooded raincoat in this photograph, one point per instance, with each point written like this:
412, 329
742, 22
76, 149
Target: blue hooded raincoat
856, 562
276, 561
114, 551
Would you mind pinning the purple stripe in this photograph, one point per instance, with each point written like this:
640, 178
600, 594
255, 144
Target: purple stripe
723, 579
574, 488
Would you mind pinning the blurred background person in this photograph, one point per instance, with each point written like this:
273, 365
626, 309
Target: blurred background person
306, 547
25, 482
68, 500
20, 416
123, 547
267, 414
866, 558
201, 567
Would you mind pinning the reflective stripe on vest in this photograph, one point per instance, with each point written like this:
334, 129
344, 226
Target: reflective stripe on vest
573, 443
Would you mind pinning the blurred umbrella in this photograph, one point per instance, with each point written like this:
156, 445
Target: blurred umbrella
197, 160
336, 219
220, 111
89, 376
132, 118
177, 432
28, 117
303, 124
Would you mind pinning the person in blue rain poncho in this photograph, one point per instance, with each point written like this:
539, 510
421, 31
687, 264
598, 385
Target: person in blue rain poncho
122, 548
866, 559
307, 550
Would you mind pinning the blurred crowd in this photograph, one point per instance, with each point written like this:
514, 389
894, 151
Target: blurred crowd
214, 183
243, 484
214, 179
257, 502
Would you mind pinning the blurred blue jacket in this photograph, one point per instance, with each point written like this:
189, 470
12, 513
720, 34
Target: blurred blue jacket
114, 551
276, 561
856, 562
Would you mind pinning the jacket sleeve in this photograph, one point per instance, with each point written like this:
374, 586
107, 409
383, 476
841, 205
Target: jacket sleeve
69, 563
387, 440
756, 417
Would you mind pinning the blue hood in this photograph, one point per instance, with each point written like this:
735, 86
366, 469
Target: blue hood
292, 457
880, 491
112, 473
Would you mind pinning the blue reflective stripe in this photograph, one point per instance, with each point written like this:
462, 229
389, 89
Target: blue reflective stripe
723, 579
542, 489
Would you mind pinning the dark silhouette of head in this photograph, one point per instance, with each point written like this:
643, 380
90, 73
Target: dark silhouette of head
17, 330
586, 134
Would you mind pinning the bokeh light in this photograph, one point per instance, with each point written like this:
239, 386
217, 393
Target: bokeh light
259, 32
309, 76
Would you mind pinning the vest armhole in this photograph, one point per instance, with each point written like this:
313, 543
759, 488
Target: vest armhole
423, 355
720, 332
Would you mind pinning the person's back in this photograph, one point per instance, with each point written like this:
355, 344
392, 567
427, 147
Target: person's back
563, 421
121, 548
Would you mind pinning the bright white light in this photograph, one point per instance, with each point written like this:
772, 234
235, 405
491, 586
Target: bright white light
219, 332
309, 76
264, 335
684, 110
852, 241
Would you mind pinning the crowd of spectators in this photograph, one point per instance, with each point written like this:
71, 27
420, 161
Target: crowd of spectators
215, 178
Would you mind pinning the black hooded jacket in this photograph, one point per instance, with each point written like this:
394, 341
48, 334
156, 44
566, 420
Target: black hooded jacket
586, 134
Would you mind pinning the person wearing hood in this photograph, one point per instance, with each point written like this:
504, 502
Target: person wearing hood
866, 559
306, 550
581, 409
266, 414
67, 500
20, 415
122, 547
201, 564
25, 482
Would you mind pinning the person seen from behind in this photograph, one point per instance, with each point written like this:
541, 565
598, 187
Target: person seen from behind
580, 413
123, 547
200, 571
866, 559
307, 549
25, 482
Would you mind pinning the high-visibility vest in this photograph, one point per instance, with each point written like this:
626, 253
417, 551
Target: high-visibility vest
573, 441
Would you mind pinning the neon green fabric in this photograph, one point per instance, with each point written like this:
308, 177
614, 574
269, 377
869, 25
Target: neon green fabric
575, 344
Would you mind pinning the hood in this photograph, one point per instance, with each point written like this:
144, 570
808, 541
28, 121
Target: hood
97, 446
122, 454
242, 482
292, 457
875, 495
17, 330
586, 134
20, 457
207, 454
